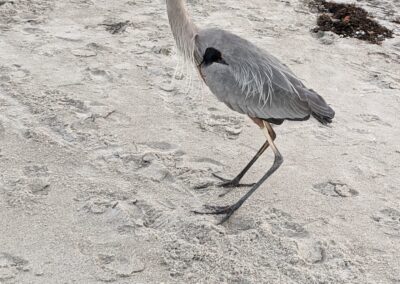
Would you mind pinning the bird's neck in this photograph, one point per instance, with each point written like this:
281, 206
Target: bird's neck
182, 27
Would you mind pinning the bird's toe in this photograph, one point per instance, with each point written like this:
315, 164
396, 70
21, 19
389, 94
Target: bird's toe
231, 183
218, 210
213, 210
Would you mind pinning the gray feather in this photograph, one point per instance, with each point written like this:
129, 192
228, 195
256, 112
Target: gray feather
255, 82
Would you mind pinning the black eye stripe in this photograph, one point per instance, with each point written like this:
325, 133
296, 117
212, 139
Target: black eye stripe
212, 55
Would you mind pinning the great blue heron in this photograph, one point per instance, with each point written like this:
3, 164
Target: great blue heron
248, 80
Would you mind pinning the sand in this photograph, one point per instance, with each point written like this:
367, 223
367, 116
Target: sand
101, 151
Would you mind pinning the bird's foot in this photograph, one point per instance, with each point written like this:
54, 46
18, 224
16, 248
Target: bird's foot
227, 183
218, 210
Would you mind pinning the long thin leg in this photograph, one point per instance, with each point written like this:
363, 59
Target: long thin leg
236, 181
229, 210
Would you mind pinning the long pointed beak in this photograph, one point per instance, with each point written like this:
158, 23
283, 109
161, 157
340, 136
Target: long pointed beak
222, 61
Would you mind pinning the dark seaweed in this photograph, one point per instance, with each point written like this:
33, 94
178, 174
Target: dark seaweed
348, 20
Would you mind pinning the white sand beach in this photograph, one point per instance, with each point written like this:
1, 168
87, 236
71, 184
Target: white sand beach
103, 148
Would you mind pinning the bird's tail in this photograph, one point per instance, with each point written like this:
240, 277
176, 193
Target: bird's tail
322, 119
320, 110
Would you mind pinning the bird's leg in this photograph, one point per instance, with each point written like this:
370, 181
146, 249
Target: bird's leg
227, 183
236, 181
229, 210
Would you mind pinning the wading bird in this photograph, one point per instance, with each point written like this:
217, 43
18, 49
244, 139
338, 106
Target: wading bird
248, 80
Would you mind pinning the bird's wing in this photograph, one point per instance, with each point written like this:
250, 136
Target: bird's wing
255, 82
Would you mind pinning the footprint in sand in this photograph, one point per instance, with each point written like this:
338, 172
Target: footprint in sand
155, 171
99, 205
120, 266
283, 224
389, 220
124, 213
59, 128
157, 215
229, 126
99, 75
29, 189
122, 216
14, 73
11, 266
36, 173
372, 118
335, 189
114, 261
76, 105
36, 170
84, 52
313, 252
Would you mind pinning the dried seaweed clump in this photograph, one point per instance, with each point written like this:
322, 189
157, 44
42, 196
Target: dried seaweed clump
349, 20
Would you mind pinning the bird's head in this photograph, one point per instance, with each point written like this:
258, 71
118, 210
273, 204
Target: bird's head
212, 55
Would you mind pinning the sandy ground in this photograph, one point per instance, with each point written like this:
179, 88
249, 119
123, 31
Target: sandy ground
100, 155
